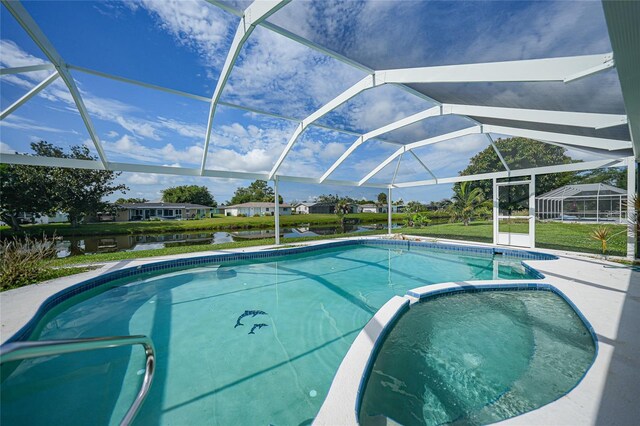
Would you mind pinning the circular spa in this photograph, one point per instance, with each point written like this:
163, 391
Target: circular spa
247, 338
476, 358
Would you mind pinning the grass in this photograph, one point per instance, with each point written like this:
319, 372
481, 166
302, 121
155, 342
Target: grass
52, 274
551, 235
217, 223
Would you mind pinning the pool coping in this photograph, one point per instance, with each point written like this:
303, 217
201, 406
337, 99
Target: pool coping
342, 404
607, 293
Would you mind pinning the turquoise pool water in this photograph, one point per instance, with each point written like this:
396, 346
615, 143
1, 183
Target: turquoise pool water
210, 371
477, 358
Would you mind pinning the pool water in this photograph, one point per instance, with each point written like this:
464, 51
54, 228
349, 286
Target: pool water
210, 371
477, 358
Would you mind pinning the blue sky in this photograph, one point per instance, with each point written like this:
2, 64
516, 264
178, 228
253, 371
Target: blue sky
183, 44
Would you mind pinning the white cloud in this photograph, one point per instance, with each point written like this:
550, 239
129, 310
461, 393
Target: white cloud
142, 178
6, 148
194, 24
129, 147
14, 121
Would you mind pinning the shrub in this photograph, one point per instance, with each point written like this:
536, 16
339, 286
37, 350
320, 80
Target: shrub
23, 261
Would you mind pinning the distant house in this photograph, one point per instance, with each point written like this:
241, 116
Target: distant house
159, 210
218, 210
315, 208
303, 208
256, 208
371, 208
58, 217
321, 208
397, 208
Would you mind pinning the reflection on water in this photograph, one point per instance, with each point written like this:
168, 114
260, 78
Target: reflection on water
79, 245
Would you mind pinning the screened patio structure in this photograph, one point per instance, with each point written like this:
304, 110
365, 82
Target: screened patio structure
596, 202
375, 105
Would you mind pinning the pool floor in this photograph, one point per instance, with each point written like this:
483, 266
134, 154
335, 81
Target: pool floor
310, 307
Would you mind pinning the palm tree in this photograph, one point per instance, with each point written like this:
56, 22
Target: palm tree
603, 235
467, 203
342, 209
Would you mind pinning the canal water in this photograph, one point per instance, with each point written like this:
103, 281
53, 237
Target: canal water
90, 244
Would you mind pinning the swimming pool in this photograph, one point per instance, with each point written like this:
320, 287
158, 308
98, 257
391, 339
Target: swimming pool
477, 358
310, 303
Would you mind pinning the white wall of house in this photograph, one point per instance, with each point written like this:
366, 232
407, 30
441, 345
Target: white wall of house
252, 211
302, 209
373, 209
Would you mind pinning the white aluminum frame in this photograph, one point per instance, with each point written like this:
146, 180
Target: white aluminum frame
257, 12
620, 24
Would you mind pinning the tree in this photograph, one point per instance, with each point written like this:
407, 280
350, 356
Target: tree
332, 199
414, 207
519, 153
193, 194
342, 210
24, 189
382, 198
257, 191
467, 203
123, 200
77, 192
614, 176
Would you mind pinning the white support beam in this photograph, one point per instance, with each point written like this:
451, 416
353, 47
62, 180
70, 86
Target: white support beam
622, 23
564, 118
395, 173
580, 141
591, 120
25, 20
452, 135
27, 68
571, 167
208, 99
389, 210
424, 165
277, 212
33, 160
253, 15
31, 93
418, 144
496, 212
551, 69
431, 112
498, 153
632, 191
138, 83
382, 165
366, 83
532, 211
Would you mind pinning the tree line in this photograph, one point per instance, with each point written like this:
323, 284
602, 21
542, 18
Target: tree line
46, 190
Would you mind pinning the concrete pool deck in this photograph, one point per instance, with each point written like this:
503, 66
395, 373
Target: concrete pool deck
606, 293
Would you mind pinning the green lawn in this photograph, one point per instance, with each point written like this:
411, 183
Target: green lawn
217, 223
552, 235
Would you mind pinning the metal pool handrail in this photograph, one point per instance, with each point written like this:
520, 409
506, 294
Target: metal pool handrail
17, 351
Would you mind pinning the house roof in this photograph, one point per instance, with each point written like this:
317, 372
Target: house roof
161, 205
256, 204
584, 189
